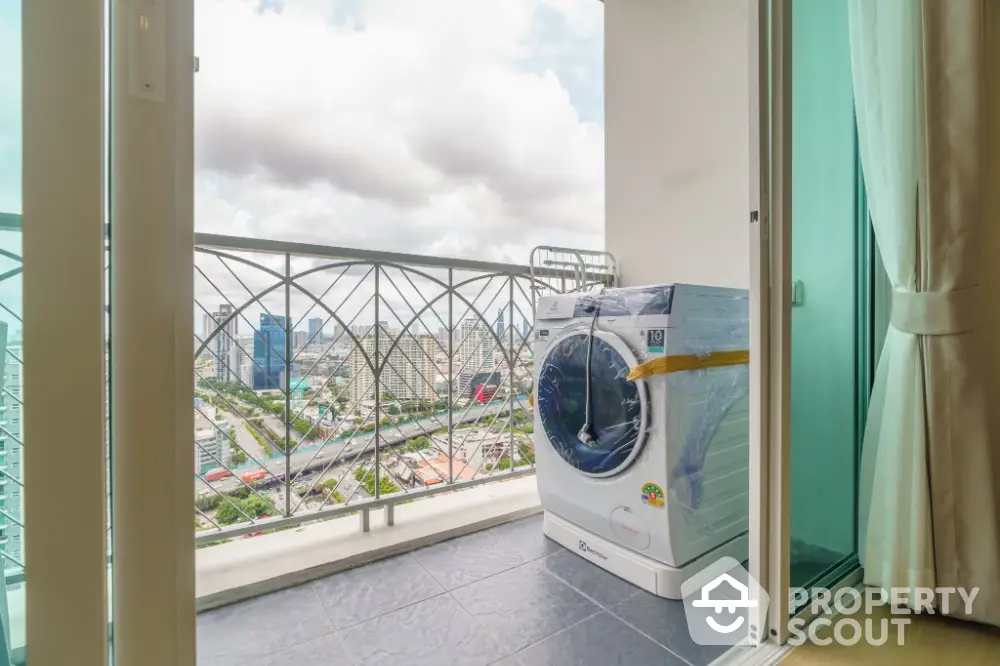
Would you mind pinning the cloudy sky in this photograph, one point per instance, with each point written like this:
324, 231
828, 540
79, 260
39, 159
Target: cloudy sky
456, 128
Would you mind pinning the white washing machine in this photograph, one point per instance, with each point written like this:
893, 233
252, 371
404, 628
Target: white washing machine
651, 482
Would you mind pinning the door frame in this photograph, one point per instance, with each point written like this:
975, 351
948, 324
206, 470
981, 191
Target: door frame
63, 236
770, 304
152, 296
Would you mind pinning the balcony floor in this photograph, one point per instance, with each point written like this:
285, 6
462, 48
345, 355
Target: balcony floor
505, 596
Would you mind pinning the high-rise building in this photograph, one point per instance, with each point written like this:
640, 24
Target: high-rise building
212, 447
10, 449
475, 353
300, 339
269, 353
499, 326
240, 362
407, 374
525, 327
220, 331
315, 328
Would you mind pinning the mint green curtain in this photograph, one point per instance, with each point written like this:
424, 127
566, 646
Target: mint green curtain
927, 502
883, 48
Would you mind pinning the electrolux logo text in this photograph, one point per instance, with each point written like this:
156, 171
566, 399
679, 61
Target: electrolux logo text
587, 549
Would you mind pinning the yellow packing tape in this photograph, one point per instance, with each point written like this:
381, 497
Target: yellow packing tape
684, 362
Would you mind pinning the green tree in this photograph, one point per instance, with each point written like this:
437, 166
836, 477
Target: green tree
208, 502
227, 513
255, 506
386, 487
239, 457
393, 410
385, 484
417, 444
324, 489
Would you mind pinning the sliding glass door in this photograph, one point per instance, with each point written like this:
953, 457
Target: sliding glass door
830, 313
816, 286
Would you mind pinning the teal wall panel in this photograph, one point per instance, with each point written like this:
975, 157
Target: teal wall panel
824, 236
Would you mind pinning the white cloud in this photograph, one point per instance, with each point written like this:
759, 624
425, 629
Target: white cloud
432, 127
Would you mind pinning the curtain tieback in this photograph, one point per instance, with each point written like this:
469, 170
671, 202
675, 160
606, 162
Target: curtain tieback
935, 312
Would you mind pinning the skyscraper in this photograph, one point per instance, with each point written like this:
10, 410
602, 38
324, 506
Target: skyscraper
315, 326
474, 354
269, 353
221, 326
300, 339
525, 327
407, 374
499, 324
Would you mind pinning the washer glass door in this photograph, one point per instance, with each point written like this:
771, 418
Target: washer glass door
617, 405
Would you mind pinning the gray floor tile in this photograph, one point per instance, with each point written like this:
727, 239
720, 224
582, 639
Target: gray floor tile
526, 537
233, 635
323, 651
663, 620
603, 587
467, 559
524, 605
366, 592
602, 640
435, 632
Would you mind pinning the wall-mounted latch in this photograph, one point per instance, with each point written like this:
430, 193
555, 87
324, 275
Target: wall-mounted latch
147, 45
798, 293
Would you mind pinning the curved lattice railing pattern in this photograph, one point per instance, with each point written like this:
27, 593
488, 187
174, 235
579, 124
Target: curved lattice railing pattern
331, 380
11, 400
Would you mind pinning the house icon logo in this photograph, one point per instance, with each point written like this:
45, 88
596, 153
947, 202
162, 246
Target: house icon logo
724, 605
719, 604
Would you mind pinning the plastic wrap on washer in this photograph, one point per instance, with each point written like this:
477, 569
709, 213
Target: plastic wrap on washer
601, 439
706, 411
709, 397
615, 410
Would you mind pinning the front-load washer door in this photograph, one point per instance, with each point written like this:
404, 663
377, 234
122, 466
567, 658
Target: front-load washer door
618, 406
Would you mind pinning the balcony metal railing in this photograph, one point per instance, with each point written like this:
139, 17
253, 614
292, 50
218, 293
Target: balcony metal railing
11, 370
332, 381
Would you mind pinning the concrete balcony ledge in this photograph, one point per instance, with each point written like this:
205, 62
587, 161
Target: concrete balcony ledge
250, 567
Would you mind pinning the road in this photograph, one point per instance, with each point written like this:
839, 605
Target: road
243, 436
312, 458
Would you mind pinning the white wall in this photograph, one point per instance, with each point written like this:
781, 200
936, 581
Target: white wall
676, 107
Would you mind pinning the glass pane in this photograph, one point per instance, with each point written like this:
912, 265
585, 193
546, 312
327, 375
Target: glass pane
615, 409
11, 431
829, 265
